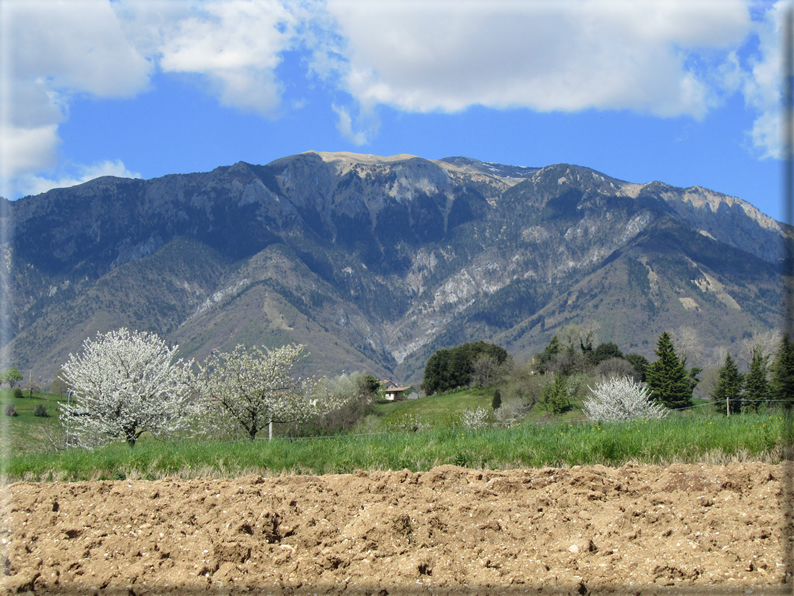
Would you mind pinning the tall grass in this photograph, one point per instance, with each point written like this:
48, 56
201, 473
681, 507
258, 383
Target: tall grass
683, 439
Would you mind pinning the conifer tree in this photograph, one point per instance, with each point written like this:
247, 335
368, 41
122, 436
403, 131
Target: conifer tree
496, 403
555, 395
668, 378
727, 393
756, 387
782, 385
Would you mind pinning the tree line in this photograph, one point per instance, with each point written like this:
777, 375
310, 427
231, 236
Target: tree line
127, 383
737, 392
562, 370
450, 369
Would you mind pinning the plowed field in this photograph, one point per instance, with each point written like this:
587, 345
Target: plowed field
636, 529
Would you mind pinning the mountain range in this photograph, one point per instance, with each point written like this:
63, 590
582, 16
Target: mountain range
376, 262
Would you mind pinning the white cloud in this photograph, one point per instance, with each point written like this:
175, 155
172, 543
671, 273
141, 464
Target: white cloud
668, 58
236, 44
52, 50
565, 55
76, 45
761, 86
27, 149
33, 185
345, 127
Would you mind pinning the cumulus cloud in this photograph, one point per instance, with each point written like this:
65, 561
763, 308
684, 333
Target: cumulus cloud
762, 84
33, 185
565, 56
27, 149
668, 59
56, 49
75, 45
52, 50
236, 44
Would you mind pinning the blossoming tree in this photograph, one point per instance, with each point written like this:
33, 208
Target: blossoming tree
621, 399
256, 388
125, 384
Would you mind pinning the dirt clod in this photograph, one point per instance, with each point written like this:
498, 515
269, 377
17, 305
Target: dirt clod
585, 530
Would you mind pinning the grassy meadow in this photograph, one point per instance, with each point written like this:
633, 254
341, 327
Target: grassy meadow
25, 432
693, 436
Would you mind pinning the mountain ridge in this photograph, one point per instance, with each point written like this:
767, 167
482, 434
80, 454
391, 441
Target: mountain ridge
382, 259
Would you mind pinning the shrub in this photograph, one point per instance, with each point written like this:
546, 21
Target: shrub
41, 411
474, 418
369, 424
511, 412
356, 392
621, 398
617, 367
523, 384
18, 393
10, 410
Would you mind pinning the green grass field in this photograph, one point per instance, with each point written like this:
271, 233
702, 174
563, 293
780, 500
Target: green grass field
679, 438
439, 410
24, 433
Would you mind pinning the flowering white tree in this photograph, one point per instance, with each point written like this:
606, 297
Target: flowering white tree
256, 388
474, 418
621, 398
125, 384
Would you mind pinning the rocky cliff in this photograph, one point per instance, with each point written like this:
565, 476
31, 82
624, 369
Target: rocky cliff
375, 262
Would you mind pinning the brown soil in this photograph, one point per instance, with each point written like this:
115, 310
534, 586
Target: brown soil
638, 529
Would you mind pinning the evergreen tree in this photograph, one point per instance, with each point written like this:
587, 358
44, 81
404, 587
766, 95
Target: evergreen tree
544, 358
555, 395
605, 351
449, 369
756, 387
640, 363
668, 378
435, 372
497, 400
782, 385
727, 393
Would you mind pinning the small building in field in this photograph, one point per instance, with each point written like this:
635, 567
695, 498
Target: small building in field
394, 393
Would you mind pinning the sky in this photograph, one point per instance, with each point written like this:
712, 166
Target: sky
682, 91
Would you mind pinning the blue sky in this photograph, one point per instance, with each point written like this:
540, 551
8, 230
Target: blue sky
682, 91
